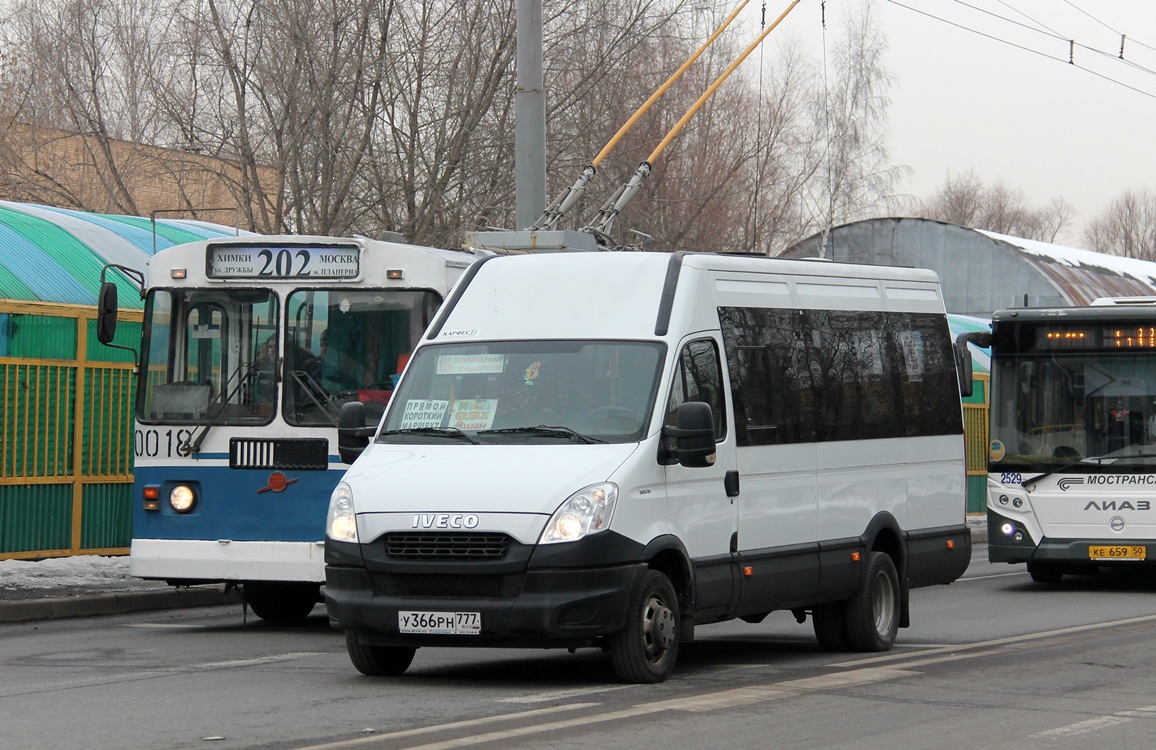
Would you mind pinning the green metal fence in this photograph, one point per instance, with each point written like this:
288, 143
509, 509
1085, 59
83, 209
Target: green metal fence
66, 427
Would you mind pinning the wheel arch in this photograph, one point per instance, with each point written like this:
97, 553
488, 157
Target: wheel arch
668, 555
883, 534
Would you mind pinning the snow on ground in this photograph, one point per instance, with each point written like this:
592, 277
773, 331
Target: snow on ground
82, 572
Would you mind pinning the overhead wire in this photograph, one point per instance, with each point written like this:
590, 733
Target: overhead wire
1072, 44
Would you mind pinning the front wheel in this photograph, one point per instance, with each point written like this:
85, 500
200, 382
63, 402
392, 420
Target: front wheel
646, 650
282, 602
377, 661
873, 612
1044, 573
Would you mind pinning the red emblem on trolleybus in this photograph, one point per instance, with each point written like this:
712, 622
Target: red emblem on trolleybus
277, 482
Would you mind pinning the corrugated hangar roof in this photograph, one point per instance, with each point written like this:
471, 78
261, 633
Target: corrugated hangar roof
55, 254
983, 271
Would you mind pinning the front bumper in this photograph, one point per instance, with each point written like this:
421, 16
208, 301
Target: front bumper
554, 608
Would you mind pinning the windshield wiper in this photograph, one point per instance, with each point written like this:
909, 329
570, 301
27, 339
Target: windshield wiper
448, 432
1062, 467
1098, 459
551, 431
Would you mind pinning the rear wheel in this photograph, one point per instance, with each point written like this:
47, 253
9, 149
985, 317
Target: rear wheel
646, 650
830, 623
282, 602
377, 661
872, 614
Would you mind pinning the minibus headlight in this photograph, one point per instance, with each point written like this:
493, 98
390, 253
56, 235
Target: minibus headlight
182, 498
341, 523
587, 511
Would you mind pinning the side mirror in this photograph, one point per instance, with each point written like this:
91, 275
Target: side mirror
691, 440
352, 434
106, 313
963, 366
963, 363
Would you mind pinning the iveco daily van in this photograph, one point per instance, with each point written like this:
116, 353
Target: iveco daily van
612, 449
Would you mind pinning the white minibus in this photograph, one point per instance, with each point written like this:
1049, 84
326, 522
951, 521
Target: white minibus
613, 449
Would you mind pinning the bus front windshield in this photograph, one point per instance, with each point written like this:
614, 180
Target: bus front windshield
229, 356
1089, 410
528, 392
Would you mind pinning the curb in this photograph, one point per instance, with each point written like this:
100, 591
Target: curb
116, 603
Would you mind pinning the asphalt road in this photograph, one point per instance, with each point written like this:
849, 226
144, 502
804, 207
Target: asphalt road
990, 661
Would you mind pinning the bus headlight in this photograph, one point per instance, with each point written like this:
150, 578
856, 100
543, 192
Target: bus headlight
587, 511
341, 523
182, 498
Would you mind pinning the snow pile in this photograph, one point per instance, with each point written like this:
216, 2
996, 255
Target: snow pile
79, 572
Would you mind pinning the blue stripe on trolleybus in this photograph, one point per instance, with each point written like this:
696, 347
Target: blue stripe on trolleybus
237, 504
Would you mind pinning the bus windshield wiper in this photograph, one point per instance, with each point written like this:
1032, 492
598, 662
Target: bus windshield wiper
1099, 460
1062, 467
447, 432
548, 430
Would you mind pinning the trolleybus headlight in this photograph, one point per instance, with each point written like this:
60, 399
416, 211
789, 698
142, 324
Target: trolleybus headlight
585, 512
182, 498
341, 524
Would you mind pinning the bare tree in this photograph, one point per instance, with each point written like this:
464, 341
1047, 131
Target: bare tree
967, 201
1127, 227
851, 113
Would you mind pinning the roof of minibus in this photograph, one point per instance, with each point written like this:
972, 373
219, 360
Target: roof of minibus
618, 295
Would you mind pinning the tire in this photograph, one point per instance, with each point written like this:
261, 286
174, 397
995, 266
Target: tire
282, 602
872, 614
377, 661
645, 651
1042, 573
830, 623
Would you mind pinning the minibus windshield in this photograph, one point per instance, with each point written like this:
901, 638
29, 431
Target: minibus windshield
505, 391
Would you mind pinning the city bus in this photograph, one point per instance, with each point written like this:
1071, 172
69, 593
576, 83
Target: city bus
1072, 464
250, 347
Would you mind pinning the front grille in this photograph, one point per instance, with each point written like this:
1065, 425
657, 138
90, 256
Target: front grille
448, 586
446, 546
282, 453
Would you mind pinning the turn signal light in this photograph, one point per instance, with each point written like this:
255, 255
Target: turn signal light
855, 556
152, 497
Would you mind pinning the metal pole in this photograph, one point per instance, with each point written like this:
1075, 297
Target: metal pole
529, 117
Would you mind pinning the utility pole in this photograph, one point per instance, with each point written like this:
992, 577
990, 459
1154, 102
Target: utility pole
529, 117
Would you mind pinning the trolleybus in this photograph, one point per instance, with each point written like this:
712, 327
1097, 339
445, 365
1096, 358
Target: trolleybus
250, 347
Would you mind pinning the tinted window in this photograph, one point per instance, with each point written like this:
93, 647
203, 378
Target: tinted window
798, 376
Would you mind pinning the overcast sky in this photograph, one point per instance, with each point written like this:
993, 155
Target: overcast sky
989, 89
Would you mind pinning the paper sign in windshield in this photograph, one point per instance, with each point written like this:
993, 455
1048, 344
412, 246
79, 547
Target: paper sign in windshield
470, 364
473, 414
423, 412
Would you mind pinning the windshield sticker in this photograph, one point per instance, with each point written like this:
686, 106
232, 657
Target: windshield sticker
470, 364
474, 414
532, 372
206, 331
423, 412
997, 450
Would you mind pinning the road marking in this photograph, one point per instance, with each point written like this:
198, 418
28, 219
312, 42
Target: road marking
984, 645
554, 695
453, 725
257, 661
1080, 727
993, 575
692, 704
1092, 725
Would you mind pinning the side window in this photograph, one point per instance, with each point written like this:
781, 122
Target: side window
698, 377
